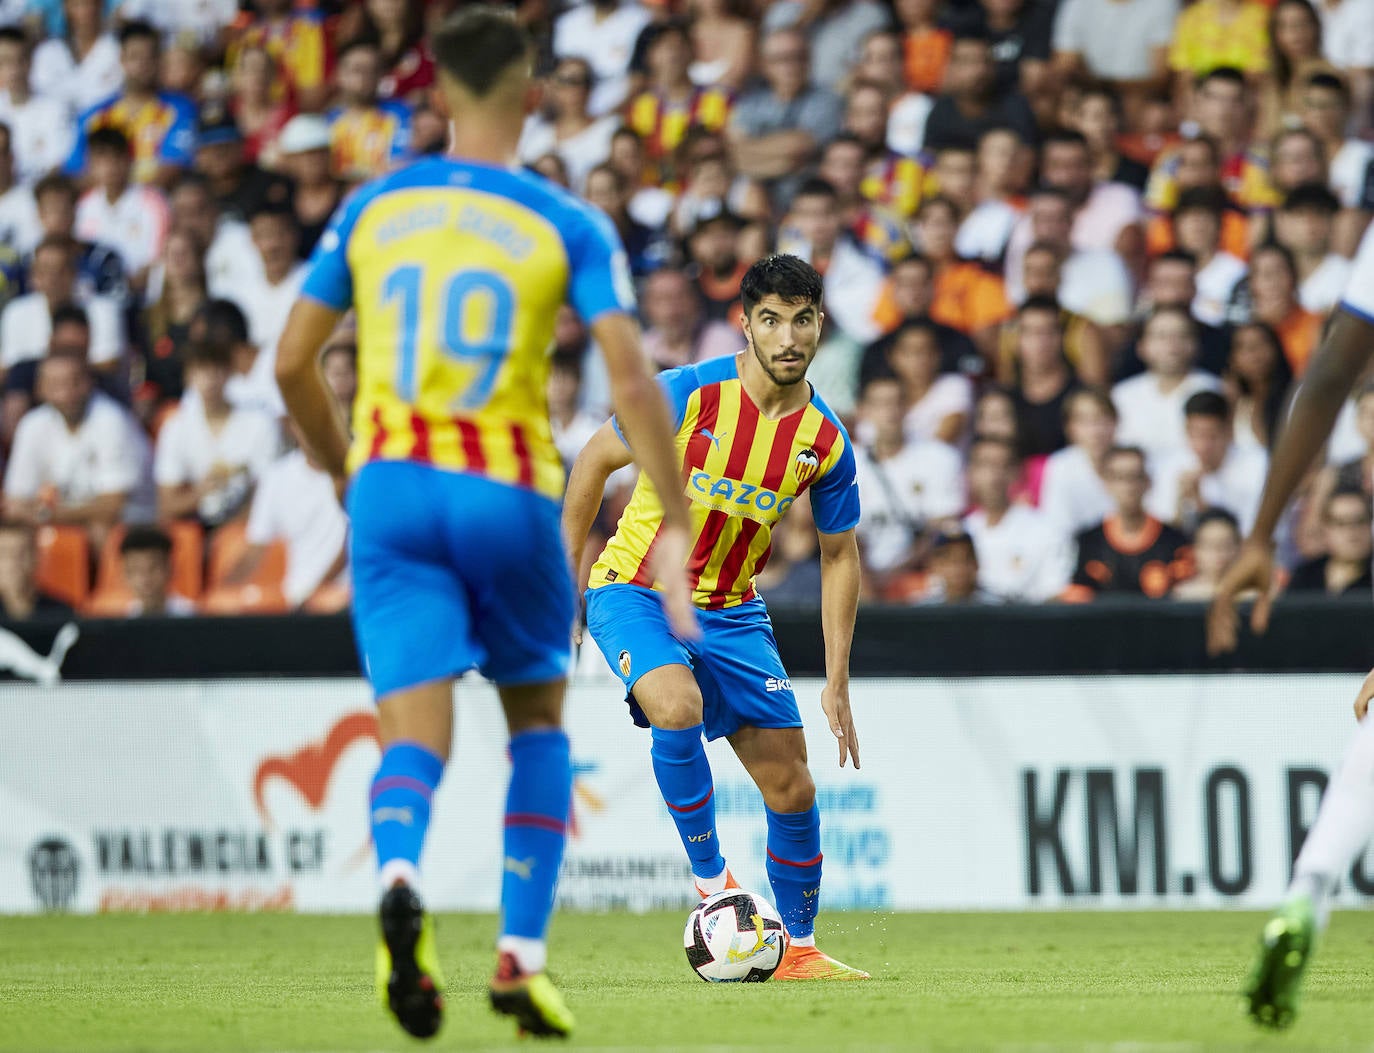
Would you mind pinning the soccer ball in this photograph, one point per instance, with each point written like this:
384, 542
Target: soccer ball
734, 936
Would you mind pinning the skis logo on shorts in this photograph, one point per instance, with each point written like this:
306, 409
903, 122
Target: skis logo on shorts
624, 662
807, 465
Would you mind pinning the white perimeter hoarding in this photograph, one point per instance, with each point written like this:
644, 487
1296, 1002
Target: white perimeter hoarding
976, 793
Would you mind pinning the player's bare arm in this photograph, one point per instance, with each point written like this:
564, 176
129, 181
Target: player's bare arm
643, 414
841, 575
302, 385
1334, 370
603, 455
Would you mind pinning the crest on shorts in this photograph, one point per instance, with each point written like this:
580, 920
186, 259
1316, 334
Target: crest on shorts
624, 662
807, 464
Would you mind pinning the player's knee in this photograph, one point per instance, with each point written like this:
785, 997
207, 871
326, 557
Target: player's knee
675, 712
793, 791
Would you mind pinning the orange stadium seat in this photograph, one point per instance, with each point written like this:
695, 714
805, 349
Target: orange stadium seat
112, 595
64, 563
261, 594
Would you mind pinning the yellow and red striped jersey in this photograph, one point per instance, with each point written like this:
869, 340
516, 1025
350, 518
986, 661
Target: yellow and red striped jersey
298, 46
741, 471
662, 124
457, 270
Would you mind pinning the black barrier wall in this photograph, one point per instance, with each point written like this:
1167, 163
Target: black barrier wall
1320, 635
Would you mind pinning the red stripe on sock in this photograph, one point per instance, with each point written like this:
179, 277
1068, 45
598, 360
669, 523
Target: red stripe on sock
693, 807
793, 863
539, 822
401, 782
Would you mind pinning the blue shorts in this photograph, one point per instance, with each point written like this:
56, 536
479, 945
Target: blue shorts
735, 661
453, 572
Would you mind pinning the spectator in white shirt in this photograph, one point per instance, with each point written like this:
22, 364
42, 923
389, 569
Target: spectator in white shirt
604, 33
26, 324
130, 217
232, 264
80, 458
252, 380
1304, 225
906, 488
145, 556
935, 405
210, 454
1151, 404
1197, 229
1073, 489
268, 302
81, 68
1021, 556
20, 227
564, 127
296, 504
1213, 472
1106, 215
1325, 108
41, 126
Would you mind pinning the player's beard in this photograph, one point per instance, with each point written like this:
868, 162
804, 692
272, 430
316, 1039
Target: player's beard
781, 380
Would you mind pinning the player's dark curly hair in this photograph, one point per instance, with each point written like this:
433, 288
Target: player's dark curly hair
789, 278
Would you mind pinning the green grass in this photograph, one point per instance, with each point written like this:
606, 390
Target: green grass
283, 983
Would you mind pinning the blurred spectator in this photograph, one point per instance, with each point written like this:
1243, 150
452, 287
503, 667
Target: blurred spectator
1122, 42
967, 297
296, 504
565, 126
954, 572
1296, 158
20, 596
99, 268
131, 218
78, 65
40, 125
1213, 472
649, 205
1345, 569
20, 227
183, 71
294, 37
994, 417
367, 134
836, 29
1259, 379
232, 264
956, 174
1196, 164
676, 333
145, 557
776, 129
714, 263
1019, 33
888, 178
71, 334
986, 228
1098, 118
672, 105
1215, 33
1129, 552
339, 364
1106, 215
1170, 281
1273, 294
926, 44
252, 382
259, 115
723, 40
1073, 491
1304, 225
161, 126
1197, 221
80, 458
647, 248
603, 32
1325, 106
907, 297
202, 23
813, 229
1351, 465
304, 148
935, 405
407, 65
1021, 557
239, 186
1151, 404
906, 488
166, 322
1083, 347
210, 454
26, 322
792, 576
1216, 543
1348, 43
1295, 53
971, 103
880, 63
268, 302
1043, 378
873, 228
712, 180
572, 426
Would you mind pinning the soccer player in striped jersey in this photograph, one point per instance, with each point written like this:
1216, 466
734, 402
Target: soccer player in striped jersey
1345, 821
753, 437
457, 266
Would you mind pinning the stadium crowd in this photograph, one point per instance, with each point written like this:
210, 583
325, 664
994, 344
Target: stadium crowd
1075, 255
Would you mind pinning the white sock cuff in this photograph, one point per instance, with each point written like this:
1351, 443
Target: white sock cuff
395, 870
531, 954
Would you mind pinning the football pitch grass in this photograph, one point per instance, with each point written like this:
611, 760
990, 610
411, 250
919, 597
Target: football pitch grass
285, 983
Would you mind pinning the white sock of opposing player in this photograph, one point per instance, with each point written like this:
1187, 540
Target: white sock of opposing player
1345, 823
709, 886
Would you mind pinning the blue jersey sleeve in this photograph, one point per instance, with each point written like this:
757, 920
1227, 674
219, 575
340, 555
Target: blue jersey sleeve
600, 279
76, 160
678, 385
400, 139
179, 144
835, 497
330, 281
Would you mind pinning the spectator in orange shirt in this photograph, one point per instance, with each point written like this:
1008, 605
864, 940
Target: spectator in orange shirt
1273, 289
967, 297
927, 44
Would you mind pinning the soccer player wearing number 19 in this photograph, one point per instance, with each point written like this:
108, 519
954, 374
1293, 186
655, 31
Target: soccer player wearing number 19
457, 266
754, 437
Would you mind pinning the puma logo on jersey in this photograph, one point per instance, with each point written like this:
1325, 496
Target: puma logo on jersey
715, 439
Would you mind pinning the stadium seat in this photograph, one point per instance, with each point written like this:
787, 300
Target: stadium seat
329, 598
64, 563
111, 597
262, 594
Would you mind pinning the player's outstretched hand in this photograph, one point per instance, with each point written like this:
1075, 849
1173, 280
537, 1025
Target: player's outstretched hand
670, 571
1253, 570
835, 703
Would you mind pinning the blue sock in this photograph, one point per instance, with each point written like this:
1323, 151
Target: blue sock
684, 778
537, 808
794, 867
401, 794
